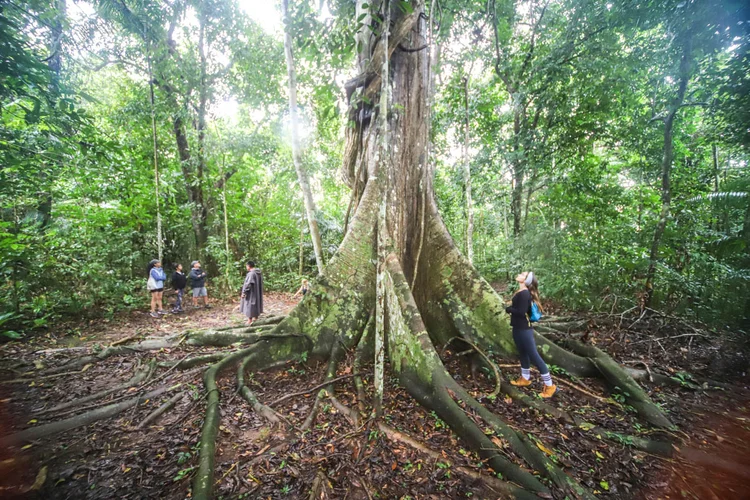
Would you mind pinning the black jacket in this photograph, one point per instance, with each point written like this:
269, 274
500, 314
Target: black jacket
197, 278
179, 280
519, 310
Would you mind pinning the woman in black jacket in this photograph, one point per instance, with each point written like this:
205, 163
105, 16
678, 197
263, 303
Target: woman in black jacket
523, 332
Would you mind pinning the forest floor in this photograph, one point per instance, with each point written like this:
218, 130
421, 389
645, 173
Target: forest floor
112, 458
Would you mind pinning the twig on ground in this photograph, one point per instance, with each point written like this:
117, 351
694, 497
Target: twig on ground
582, 390
312, 389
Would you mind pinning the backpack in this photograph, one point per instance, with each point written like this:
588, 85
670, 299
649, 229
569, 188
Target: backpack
536, 313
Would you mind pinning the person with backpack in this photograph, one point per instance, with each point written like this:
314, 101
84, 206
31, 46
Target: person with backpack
526, 308
155, 285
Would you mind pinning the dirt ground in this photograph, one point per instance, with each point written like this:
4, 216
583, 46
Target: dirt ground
112, 458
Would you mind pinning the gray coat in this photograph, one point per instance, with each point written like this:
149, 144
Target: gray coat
252, 289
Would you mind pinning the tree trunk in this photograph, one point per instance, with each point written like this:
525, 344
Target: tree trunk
666, 168
157, 196
467, 178
54, 63
304, 183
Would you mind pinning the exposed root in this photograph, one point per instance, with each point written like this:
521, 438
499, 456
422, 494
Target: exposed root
321, 487
421, 372
616, 376
187, 363
488, 361
204, 477
350, 414
495, 485
80, 420
264, 411
313, 412
326, 383
142, 373
161, 410
45, 377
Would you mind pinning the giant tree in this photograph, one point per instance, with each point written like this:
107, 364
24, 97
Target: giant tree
432, 293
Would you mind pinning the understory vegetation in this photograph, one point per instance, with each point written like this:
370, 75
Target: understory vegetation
411, 157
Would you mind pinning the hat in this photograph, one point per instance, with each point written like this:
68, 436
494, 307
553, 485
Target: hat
192, 264
153, 262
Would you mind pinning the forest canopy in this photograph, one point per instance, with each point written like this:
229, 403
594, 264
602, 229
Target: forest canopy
603, 144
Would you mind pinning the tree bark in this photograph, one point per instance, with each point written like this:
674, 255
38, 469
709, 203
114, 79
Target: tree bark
304, 183
666, 167
467, 177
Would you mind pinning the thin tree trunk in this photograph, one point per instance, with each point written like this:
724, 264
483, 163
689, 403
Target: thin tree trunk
467, 178
304, 183
383, 182
301, 250
228, 262
666, 168
44, 205
715, 156
517, 165
200, 174
159, 239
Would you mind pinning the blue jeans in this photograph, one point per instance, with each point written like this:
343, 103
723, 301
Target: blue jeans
526, 345
178, 302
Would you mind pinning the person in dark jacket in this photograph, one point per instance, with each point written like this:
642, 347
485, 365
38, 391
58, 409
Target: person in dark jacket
523, 332
198, 284
251, 301
179, 282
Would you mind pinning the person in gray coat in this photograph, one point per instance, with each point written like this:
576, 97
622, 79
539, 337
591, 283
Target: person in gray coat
251, 301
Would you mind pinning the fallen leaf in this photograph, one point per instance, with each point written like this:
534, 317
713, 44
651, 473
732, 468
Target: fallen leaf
598, 455
586, 426
394, 466
41, 478
32, 421
544, 448
86, 367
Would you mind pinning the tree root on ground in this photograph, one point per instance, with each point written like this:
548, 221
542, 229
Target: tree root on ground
142, 373
478, 314
154, 415
81, 420
495, 485
204, 477
616, 376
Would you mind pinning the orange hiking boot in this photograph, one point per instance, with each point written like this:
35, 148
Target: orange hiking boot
521, 382
548, 391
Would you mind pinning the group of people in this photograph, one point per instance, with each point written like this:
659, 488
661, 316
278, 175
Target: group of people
157, 277
251, 296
